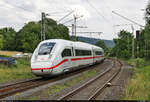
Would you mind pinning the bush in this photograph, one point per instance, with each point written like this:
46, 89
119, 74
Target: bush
139, 62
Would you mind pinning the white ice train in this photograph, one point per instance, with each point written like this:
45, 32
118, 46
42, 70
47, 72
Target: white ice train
56, 56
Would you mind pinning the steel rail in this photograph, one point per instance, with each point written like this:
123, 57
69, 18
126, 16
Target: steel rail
85, 85
23, 88
23, 81
99, 90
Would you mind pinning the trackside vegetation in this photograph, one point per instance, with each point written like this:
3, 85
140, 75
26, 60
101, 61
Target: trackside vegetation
21, 70
126, 43
138, 87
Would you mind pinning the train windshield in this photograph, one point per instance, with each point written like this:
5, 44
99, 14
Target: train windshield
45, 48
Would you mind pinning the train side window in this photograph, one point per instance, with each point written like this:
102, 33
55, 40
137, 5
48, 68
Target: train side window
98, 52
66, 53
83, 52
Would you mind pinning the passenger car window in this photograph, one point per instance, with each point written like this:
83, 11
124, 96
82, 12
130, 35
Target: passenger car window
45, 48
66, 52
98, 52
82, 52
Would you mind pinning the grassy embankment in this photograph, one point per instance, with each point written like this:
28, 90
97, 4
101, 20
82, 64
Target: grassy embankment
138, 87
21, 70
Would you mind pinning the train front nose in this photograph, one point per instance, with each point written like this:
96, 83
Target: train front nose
42, 68
41, 62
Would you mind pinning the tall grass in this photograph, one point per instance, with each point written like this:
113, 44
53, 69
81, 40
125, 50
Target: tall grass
21, 70
139, 86
138, 62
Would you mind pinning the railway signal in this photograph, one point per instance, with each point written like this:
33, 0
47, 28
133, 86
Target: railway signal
137, 35
137, 38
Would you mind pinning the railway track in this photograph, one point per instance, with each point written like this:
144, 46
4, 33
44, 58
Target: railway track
95, 86
10, 89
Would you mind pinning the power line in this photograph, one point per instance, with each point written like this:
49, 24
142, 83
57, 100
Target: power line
79, 26
97, 11
89, 32
68, 21
18, 7
65, 16
128, 19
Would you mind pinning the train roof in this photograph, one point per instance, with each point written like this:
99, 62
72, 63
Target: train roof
86, 45
57, 40
76, 43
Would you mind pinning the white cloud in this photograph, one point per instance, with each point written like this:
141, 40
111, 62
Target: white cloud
80, 11
17, 12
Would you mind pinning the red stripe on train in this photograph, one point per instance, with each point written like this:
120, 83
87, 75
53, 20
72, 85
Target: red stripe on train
65, 60
84, 58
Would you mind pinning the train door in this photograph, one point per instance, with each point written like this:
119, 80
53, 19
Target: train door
93, 55
66, 56
75, 60
73, 56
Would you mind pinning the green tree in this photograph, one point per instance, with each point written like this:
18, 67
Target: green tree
147, 31
123, 45
101, 44
8, 38
1, 42
146, 41
30, 34
147, 13
29, 37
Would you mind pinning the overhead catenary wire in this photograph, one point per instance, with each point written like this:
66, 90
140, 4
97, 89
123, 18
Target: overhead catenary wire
127, 19
65, 16
19, 7
68, 21
99, 13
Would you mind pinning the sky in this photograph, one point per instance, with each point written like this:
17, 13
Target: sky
95, 15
